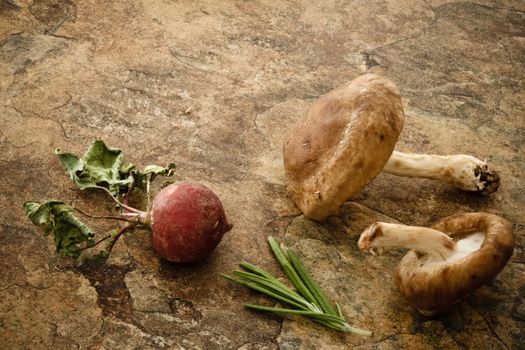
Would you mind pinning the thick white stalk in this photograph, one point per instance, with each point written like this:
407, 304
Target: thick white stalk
466, 172
422, 239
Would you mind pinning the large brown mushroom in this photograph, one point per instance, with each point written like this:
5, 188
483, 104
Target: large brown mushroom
348, 136
448, 261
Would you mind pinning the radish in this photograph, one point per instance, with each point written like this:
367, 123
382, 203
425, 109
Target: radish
187, 219
187, 222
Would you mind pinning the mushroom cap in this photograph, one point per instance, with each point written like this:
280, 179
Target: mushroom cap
342, 143
434, 286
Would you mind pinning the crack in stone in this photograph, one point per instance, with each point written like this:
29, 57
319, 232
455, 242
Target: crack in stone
66, 16
16, 146
415, 36
53, 29
61, 36
457, 342
9, 5
210, 332
99, 332
28, 62
95, 71
31, 286
488, 324
378, 212
370, 62
382, 340
9, 37
8, 285
178, 56
65, 103
151, 74
38, 116
112, 293
506, 50
57, 334
254, 122
436, 17
289, 223
429, 6
279, 331
460, 3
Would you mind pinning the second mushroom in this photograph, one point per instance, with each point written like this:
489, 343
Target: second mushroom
447, 261
348, 136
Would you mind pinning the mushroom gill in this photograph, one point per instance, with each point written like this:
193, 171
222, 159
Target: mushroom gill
448, 261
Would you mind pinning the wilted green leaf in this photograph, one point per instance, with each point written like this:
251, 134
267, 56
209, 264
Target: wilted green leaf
155, 170
152, 171
54, 217
102, 166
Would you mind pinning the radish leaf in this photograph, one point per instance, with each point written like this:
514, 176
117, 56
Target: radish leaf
54, 217
102, 166
151, 171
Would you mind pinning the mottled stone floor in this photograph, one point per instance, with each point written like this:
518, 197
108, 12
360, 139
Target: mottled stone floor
213, 86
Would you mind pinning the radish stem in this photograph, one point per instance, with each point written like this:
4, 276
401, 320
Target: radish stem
96, 243
122, 217
128, 208
119, 234
148, 192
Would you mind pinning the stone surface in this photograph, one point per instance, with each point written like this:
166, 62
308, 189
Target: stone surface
213, 86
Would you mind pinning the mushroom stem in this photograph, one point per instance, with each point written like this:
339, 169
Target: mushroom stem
464, 171
421, 239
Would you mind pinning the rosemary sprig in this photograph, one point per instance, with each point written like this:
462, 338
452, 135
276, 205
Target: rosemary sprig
308, 301
318, 294
289, 270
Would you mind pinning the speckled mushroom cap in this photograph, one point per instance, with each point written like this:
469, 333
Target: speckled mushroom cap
432, 287
343, 142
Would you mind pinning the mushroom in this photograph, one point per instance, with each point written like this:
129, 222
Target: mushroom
448, 261
348, 136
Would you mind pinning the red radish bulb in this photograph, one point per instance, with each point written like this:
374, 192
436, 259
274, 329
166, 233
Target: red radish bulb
187, 222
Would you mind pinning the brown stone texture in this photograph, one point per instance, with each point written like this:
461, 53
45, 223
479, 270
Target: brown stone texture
214, 86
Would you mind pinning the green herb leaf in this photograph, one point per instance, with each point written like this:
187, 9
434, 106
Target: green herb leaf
257, 270
54, 217
265, 290
313, 287
279, 288
313, 314
290, 271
